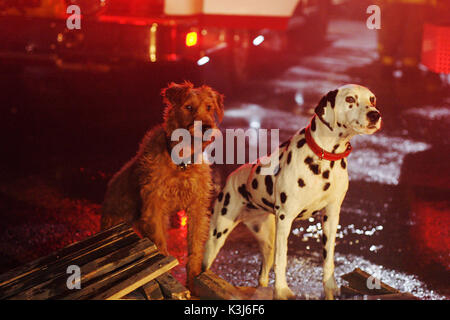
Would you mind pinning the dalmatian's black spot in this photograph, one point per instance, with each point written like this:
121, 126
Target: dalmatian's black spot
324, 253
301, 143
350, 106
269, 184
219, 234
281, 156
250, 206
225, 231
324, 239
220, 196
277, 207
331, 164
283, 197
215, 232
224, 211
302, 213
243, 191
339, 124
314, 168
285, 144
301, 183
326, 174
289, 157
256, 228
343, 164
331, 96
302, 131
344, 126
258, 169
308, 160
267, 203
340, 134
227, 199
326, 186
281, 216
335, 147
313, 124
325, 218
255, 184
314, 212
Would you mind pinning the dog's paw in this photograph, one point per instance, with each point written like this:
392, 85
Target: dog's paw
331, 289
283, 294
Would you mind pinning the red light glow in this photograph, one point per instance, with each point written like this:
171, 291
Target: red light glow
191, 39
182, 218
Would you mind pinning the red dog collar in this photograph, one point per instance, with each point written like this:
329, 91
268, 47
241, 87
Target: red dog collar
321, 153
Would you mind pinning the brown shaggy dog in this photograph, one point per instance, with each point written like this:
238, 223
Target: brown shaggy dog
151, 187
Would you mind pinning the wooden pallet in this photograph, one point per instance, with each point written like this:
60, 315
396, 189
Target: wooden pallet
113, 263
357, 287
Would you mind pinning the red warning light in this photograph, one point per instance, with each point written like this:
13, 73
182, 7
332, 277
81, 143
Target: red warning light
191, 39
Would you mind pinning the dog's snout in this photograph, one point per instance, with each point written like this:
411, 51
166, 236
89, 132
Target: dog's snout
373, 116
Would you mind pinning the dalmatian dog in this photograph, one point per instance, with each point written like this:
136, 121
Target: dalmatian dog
310, 177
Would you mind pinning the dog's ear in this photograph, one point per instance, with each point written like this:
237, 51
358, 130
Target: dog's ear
220, 107
325, 109
175, 93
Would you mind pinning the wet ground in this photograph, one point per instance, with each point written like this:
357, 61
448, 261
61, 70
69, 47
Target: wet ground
64, 137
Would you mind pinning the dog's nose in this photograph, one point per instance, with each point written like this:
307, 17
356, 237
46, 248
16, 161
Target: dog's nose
206, 128
373, 116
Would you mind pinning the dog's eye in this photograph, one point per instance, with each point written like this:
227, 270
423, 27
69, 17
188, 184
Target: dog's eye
188, 107
208, 108
350, 99
372, 100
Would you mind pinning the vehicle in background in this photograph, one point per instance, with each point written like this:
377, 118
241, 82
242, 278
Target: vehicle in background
126, 33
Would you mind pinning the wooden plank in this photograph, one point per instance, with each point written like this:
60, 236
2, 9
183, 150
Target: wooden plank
100, 266
34, 265
390, 296
135, 295
172, 289
357, 281
346, 290
138, 280
152, 291
119, 283
212, 287
259, 293
79, 258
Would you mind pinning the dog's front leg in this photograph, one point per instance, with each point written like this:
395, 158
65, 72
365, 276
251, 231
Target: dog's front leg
329, 226
198, 227
283, 228
153, 220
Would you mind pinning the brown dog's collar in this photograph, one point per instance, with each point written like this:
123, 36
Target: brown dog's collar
320, 152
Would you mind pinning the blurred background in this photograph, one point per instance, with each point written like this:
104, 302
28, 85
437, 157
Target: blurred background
75, 103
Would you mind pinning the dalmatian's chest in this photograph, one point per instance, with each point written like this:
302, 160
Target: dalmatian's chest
301, 184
